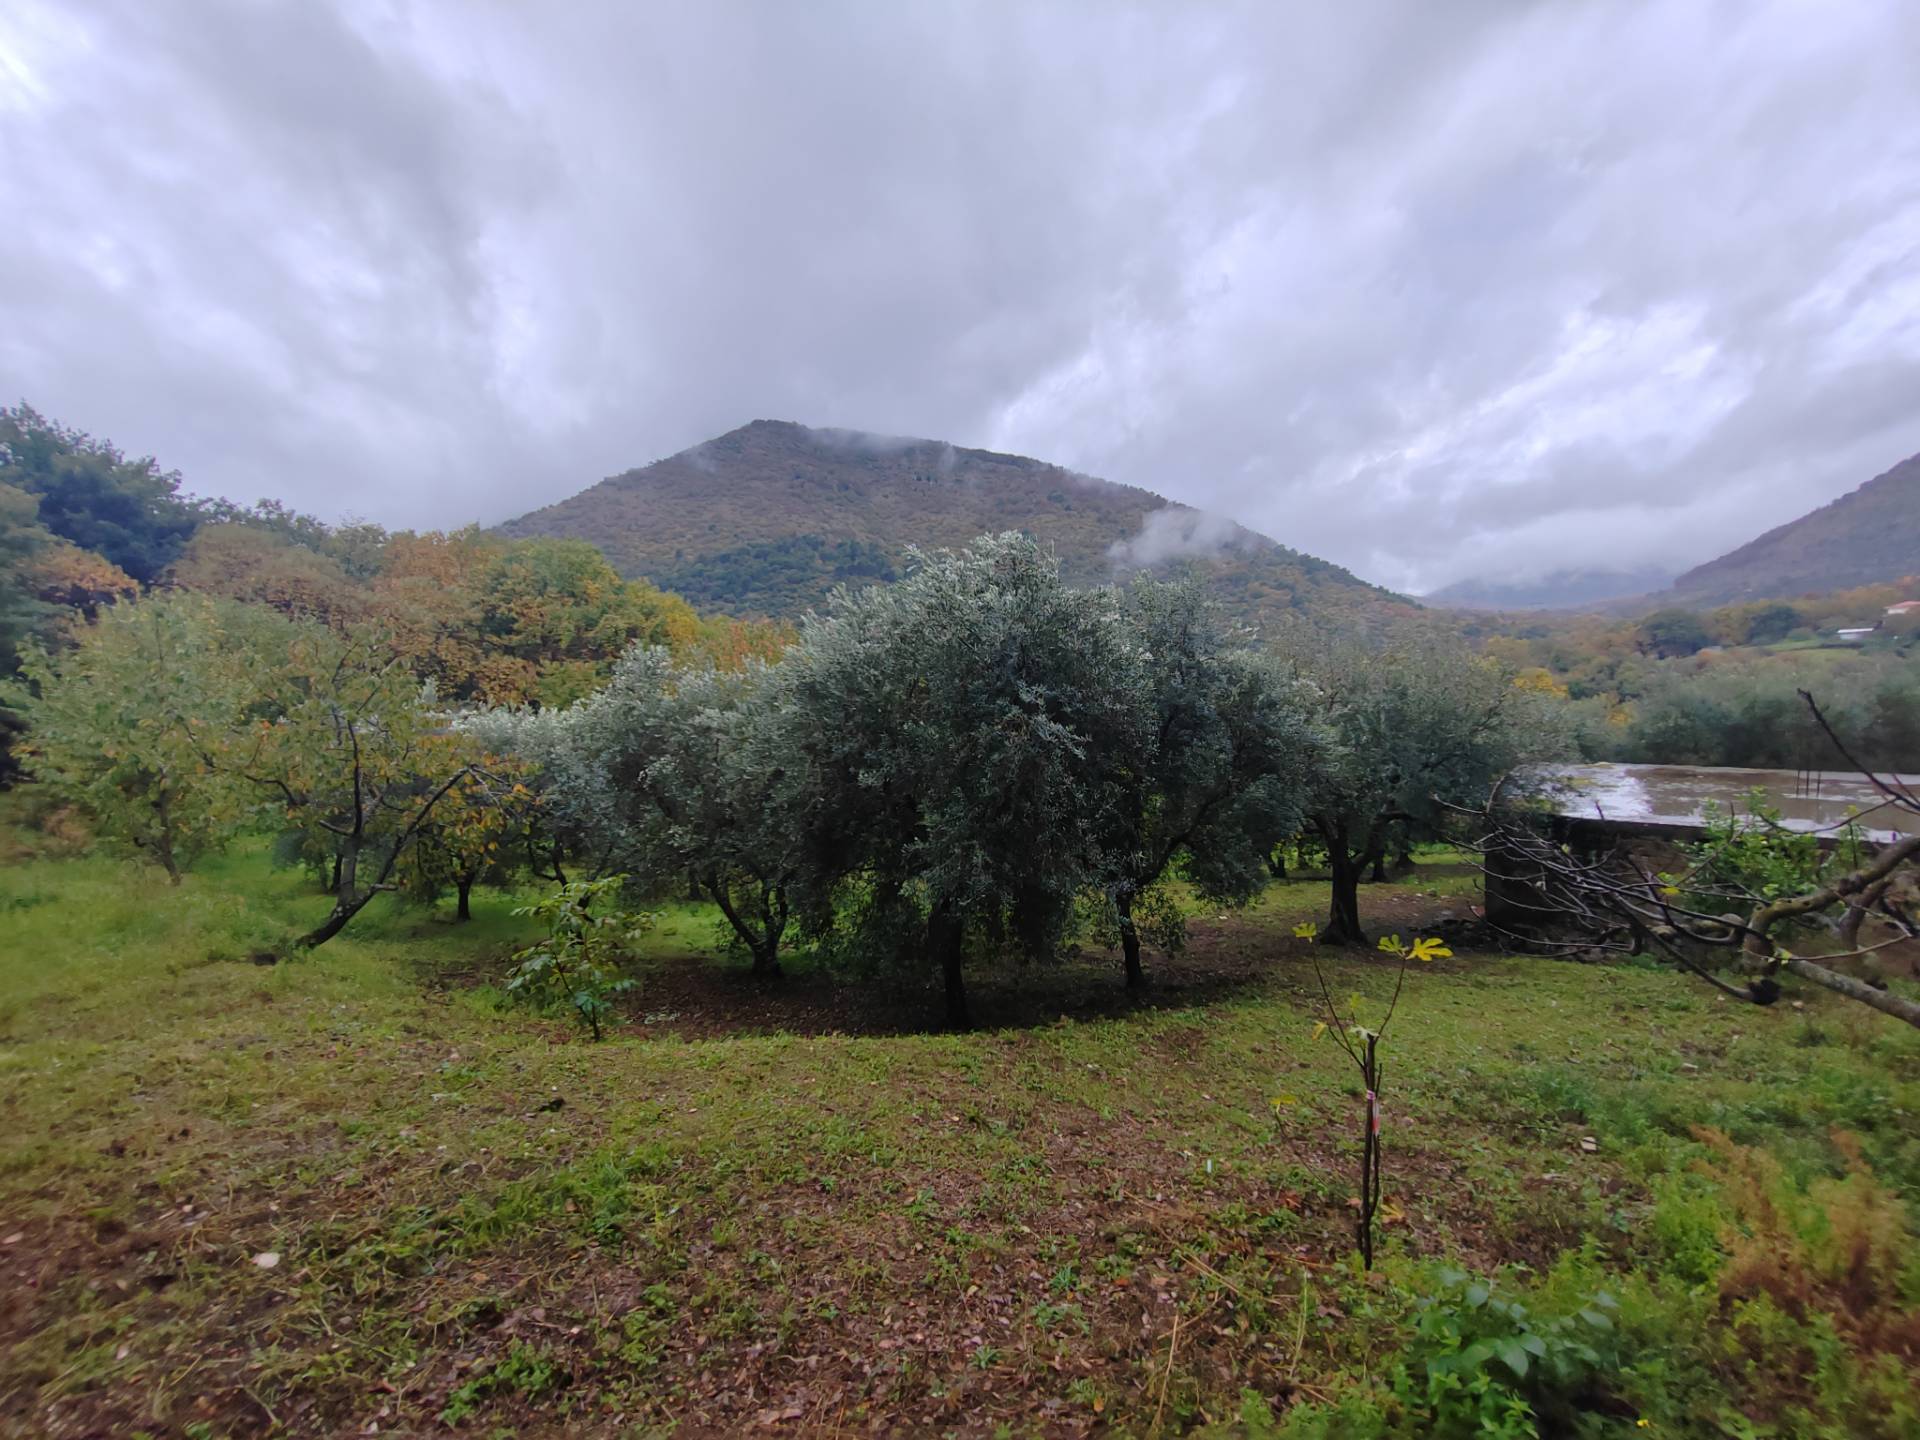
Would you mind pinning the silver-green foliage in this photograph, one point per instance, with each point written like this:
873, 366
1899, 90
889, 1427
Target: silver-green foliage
951, 760
1413, 723
1220, 772
669, 774
965, 731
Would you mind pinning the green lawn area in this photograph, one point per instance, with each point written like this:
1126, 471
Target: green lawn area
1116, 1220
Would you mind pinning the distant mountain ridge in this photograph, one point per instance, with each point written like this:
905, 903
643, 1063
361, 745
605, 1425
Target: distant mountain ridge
1561, 590
1866, 537
768, 518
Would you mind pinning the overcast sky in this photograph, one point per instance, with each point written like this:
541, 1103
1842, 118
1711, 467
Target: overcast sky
1428, 289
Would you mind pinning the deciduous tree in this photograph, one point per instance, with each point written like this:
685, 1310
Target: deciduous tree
339, 736
113, 723
473, 837
1673, 632
77, 581
262, 567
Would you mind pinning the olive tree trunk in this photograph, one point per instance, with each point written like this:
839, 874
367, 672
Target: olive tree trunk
946, 934
1130, 940
1343, 907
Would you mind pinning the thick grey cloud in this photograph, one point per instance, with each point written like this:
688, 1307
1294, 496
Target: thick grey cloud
1426, 289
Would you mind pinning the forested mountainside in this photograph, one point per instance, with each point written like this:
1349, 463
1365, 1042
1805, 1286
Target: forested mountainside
1558, 590
766, 519
1866, 537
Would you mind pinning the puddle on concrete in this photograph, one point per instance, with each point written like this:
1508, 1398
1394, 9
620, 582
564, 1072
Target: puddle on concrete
1679, 795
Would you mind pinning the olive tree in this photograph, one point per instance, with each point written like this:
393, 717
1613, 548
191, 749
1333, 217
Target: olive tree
1413, 723
670, 772
1220, 776
958, 730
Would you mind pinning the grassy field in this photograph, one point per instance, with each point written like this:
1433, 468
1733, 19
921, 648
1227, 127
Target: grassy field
352, 1194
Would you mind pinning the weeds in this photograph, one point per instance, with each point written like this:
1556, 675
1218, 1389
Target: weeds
577, 965
1838, 1248
528, 1373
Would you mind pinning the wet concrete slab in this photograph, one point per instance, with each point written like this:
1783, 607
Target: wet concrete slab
1675, 798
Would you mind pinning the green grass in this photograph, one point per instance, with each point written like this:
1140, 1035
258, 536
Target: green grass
483, 1221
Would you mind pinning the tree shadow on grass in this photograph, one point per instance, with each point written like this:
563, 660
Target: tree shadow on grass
693, 996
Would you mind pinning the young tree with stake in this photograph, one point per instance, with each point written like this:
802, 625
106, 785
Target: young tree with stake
1361, 1042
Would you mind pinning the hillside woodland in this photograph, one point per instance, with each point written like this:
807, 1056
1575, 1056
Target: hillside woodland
1721, 686
480, 617
767, 519
1867, 536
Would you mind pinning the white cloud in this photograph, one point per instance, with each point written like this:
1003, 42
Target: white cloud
1422, 289
1172, 533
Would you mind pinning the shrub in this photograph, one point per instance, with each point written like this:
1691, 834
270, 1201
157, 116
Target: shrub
1483, 1364
1754, 855
1838, 1248
577, 965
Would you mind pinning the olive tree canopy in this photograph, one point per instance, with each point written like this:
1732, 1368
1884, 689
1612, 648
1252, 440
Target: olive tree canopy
960, 730
1414, 722
674, 773
1221, 771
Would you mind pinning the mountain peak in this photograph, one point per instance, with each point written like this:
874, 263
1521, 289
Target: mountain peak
768, 517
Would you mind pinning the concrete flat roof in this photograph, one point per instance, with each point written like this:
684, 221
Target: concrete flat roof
1673, 799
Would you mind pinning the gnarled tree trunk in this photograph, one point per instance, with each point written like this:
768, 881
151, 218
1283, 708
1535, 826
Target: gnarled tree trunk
762, 941
946, 935
1130, 940
1343, 907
